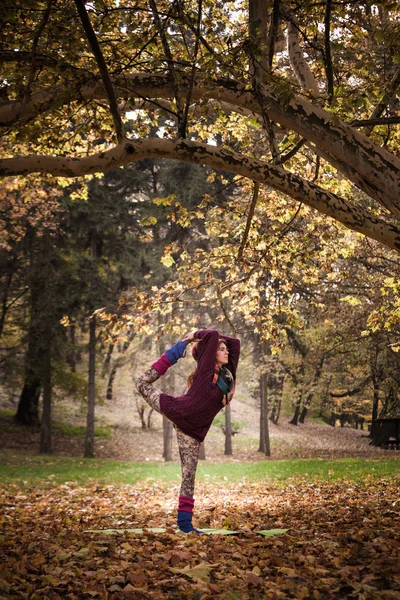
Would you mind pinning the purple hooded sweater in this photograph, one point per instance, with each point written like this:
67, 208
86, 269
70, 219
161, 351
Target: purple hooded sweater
194, 412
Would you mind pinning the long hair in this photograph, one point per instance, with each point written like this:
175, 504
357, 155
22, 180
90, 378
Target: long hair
191, 377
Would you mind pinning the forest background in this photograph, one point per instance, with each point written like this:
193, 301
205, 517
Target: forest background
169, 166
110, 264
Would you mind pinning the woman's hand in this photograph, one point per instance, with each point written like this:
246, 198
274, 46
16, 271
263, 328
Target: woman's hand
189, 337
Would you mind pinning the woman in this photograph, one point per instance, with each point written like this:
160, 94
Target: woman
211, 388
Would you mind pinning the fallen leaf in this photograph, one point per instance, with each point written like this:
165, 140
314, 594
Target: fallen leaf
199, 572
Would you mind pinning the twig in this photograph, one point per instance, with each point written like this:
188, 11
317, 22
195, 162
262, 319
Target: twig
94, 44
250, 216
387, 97
170, 63
293, 151
38, 33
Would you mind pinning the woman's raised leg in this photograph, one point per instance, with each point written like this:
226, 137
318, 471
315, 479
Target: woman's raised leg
148, 391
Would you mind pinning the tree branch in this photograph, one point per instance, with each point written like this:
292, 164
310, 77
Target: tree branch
171, 68
328, 56
355, 216
42, 25
352, 392
250, 216
299, 65
182, 133
94, 44
388, 96
371, 123
273, 32
372, 168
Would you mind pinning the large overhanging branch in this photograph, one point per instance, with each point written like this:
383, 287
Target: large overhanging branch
375, 170
354, 217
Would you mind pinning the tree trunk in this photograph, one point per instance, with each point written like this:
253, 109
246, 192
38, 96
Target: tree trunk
375, 402
28, 405
310, 395
296, 415
7, 285
89, 439
228, 431
149, 418
262, 445
167, 425
107, 360
45, 430
140, 410
168, 430
109, 393
202, 451
266, 424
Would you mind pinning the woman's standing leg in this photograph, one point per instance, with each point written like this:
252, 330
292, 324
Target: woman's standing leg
189, 455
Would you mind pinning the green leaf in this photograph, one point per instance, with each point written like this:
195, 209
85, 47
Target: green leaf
148, 221
167, 260
271, 532
219, 531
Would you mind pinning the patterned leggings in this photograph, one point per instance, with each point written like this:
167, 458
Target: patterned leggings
188, 447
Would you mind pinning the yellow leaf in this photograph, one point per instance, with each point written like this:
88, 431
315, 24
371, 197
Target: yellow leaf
199, 572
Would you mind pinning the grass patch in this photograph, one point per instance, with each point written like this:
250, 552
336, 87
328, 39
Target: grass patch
51, 470
71, 431
8, 424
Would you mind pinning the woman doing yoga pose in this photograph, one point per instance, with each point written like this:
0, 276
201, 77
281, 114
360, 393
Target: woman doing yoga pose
211, 388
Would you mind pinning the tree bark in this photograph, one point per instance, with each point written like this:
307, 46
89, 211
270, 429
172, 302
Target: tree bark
89, 438
167, 425
109, 392
28, 405
262, 444
265, 402
228, 431
46, 428
202, 451
352, 216
377, 169
295, 419
310, 395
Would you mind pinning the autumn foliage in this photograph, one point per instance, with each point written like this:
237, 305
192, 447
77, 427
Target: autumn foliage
343, 541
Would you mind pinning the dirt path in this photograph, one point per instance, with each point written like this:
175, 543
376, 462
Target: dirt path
287, 441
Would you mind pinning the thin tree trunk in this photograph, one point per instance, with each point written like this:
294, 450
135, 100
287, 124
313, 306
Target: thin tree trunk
266, 424
7, 285
149, 418
107, 360
262, 445
28, 405
228, 431
45, 430
168, 430
202, 451
310, 395
109, 393
375, 402
296, 415
89, 439
167, 425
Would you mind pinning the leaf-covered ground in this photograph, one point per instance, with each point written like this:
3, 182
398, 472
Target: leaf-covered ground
343, 542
